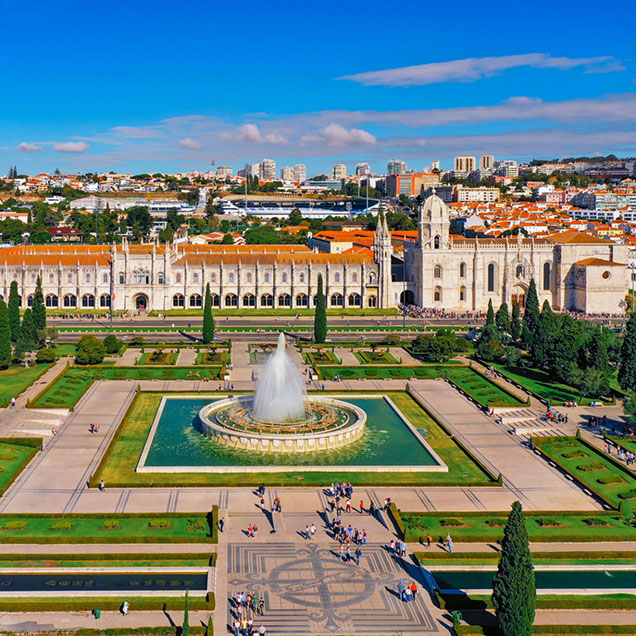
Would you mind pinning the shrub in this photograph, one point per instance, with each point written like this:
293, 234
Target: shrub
110, 524
159, 524
112, 344
628, 495
371, 372
46, 355
592, 467
496, 523
452, 523
611, 480
575, 454
137, 341
62, 524
548, 523
90, 350
14, 525
196, 526
596, 522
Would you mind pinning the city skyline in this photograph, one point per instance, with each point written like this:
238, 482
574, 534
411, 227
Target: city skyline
151, 108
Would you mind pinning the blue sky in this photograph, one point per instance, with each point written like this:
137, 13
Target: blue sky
162, 86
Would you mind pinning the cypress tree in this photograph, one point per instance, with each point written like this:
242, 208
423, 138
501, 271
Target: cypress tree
627, 367
210, 628
531, 314
544, 339
14, 311
5, 337
185, 630
208, 318
28, 333
597, 353
38, 308
513, 587
320, 315
502, 321
515, 323
490, 315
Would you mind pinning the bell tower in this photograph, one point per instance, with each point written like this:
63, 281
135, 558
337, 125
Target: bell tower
382, 253
433, 224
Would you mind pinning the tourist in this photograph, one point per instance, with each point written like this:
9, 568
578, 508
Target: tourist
255, 532
261, 606
349, 555
358, 555
221, 524
250, 533
408, 596
312, 532
392, 547
124, 608
429, 540
237, 627
307, 533
102, 485
262, 631
361, 506
450, 545
364, 537
341, 555
244, 631
413, 589
348, 505
401, 590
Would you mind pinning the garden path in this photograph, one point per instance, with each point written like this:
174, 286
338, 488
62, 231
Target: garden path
187, 357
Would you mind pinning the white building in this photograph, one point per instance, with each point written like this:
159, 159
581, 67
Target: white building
362, 169
464, 164
339, 171
396, 166
476, 195
300, 172
267, 169
287, 173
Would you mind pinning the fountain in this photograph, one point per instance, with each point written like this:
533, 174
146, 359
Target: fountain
280, 416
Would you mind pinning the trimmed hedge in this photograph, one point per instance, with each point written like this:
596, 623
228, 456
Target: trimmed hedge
591, 630
35, 443
394, 513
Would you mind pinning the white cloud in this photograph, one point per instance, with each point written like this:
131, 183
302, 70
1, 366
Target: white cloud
71, 146
337, 136
190, 144
475, 68
27, 147
251, 132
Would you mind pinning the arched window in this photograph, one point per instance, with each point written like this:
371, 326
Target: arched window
231, 278
51, 300
30, 301
104, 300
462, 293
519, 271
88, 277
336, 278
88, 300
141, 278
547, 275
301, 277
284, 300
462, 270
437, 295
354, 277
437, 242
249, 300
491, 277
267, 300
355, 300
196, 300
70, 300
122, 278
302, 300
160, 278
178, 300
231, 300
195, 277
314, 300
248, 277
177, 277
267, 277
104, 278
372, 302
372, 280
216, 300
437, 271
284, 278
337, 300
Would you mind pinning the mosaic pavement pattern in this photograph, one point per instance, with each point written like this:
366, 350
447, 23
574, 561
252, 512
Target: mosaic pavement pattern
307, 590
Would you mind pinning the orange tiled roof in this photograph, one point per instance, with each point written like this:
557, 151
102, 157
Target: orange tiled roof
598, 262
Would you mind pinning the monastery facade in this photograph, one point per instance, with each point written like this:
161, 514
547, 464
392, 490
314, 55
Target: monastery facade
572, 270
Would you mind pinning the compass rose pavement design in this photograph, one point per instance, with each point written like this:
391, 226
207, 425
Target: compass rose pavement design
309, 590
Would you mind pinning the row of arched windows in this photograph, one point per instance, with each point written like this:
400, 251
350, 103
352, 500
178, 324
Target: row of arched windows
267, 300
491, 274
267, 278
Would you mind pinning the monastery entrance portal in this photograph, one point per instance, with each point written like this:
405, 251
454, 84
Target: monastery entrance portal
407, 297
141, 302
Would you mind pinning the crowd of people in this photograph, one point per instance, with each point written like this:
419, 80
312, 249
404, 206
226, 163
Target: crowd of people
247, 606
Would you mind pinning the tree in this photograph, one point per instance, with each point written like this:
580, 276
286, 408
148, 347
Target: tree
627, 366
227, 239
597, 353
46, 355
14, 311
27, 330
89, 350
513, 587
210, 628
208, 318
490, 315
515, 323
5, 337
502, 322
320, 315
112, 343
38, 308
566, 350
545, 336
531, 314
185, 630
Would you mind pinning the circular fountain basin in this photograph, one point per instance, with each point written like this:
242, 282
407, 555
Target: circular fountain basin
327, 423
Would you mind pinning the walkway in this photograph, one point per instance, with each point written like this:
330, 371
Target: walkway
48, 377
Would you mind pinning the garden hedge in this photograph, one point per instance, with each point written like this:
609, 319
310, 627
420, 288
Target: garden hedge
566, 630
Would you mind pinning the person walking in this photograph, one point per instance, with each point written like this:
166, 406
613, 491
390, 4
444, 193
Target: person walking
358, 555
221, 524
312, 532
413, 589
401, 590
307, 533
348, 505
429, 540
361, 506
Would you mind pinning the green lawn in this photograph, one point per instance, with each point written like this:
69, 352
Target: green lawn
543, 526
321, 356
158, 357
538, 558
480, 388
107, 560
592, 467
377, 372
16, 379
73, 383
106, 528
542, 384
65, 349
375, 357
118, 465
278, 312
216, 357
15, 454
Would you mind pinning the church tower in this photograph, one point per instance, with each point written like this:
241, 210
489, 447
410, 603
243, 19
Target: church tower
382, 253
433, 224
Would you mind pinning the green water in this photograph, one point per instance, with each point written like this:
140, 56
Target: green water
387, 442
545, 579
